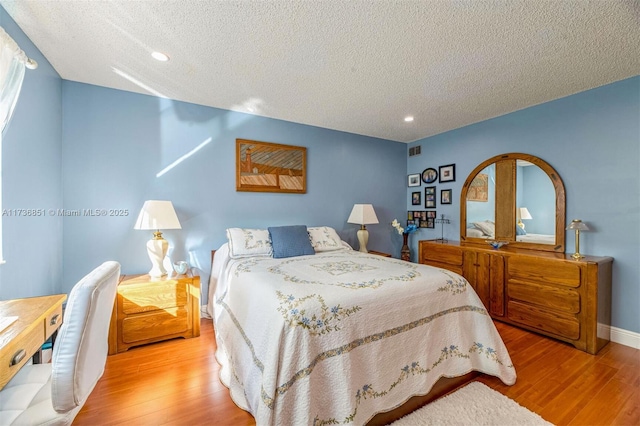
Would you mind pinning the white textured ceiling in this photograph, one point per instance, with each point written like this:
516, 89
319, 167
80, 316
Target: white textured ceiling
355, 66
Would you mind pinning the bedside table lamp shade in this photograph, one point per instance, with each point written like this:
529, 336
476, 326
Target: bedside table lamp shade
157, 215
523, 213
363, 214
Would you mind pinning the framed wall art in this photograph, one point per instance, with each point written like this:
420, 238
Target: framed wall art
448, 173
414, 180
430, 197
415, 198
445, 196
429, 175
270, 167
479, 188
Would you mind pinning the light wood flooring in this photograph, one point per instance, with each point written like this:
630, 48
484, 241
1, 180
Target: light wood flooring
176, 383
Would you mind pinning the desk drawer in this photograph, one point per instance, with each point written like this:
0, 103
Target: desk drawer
27, 345
52, 322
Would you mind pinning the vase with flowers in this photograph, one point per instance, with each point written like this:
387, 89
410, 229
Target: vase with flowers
405, 252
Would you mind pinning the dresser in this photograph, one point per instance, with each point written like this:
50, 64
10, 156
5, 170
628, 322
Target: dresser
148, 310
546, 292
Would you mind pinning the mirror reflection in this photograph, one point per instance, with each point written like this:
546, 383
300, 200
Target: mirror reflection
481, 214
535, 204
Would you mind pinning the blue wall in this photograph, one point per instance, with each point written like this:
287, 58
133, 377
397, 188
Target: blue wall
31, 179
116, 142
592, 139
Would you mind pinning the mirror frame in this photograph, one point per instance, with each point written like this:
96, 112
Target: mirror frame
505, 204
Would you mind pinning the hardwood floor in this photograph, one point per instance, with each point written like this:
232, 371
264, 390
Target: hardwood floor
176, 383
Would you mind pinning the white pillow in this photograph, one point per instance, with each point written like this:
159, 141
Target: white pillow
324, 238
248, 242
474, 233
487, 227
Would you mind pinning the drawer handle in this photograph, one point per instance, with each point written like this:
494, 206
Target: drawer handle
54, 319
17, 357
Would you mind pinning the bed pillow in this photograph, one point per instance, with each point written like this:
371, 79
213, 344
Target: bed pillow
487, 227
248, 242
474, 233
324, 238
290, 241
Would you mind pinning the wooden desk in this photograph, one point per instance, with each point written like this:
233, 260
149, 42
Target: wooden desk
38, 318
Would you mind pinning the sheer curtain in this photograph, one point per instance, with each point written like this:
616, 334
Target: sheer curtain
12, 66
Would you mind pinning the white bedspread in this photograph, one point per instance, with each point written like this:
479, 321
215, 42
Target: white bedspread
339, 336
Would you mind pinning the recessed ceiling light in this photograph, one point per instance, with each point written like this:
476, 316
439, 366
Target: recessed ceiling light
408, 118
160, 56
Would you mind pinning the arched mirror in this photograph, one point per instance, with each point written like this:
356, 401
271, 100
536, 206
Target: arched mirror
515, 198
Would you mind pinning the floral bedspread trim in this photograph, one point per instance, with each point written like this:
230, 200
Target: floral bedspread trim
406, 372
323, 320
454, 284
341, 350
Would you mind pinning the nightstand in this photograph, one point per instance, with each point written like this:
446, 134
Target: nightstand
148, 310
379, 253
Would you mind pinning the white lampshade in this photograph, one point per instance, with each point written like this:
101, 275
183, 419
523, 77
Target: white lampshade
524, 213
157, 215
363, 214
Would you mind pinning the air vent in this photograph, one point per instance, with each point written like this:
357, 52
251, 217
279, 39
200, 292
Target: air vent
414, 150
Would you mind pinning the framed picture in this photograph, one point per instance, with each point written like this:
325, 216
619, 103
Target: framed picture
479, 188
430, 197
415, 198
431, 223
445, 196
448, 173
429, 175
414, 180
431, 214
270, 167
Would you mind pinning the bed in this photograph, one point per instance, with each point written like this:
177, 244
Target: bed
338, 336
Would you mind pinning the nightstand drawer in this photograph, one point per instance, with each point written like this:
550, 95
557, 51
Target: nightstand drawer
156, 324
163, 296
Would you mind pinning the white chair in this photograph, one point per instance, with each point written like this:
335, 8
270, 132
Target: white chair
53, 394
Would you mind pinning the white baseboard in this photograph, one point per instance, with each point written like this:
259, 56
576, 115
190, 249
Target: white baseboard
625, 337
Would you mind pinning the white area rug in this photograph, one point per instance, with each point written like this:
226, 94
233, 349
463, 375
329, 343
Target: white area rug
473, 404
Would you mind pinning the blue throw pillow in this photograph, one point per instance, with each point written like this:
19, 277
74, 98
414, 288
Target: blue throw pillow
290, 241
520, 231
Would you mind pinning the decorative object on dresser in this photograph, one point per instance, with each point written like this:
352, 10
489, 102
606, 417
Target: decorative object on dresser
150, 310
157, 215
363, 214
577, 225
529, 283
442, 221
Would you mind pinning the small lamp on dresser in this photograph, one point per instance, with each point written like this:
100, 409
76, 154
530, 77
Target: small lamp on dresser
577, 225
523, 213
363, 214
157, 215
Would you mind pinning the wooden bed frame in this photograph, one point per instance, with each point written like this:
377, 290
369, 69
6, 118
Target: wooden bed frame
442, 387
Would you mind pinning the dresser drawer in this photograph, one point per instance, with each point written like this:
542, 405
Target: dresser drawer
156, 324
541, 270
557, 323
137, 299
453, 268
555, 297
52, 322
440, 253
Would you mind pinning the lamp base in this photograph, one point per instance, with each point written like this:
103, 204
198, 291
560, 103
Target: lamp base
577, 256
363, 239
157, 250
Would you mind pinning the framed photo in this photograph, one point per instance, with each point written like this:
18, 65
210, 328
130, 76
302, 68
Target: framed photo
431, 223
415, 198
270, 167
430, 197
448, 173
414, 180
445, 196
431, 214
429, 175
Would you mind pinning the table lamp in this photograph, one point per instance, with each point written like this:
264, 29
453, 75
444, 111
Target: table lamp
363, 214
577, 225
157, 215
523, 213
